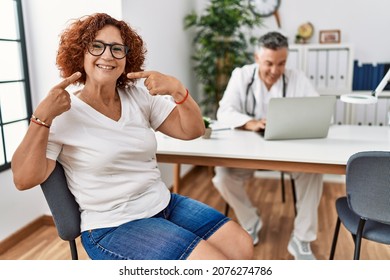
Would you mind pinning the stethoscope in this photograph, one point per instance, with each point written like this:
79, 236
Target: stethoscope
252, 114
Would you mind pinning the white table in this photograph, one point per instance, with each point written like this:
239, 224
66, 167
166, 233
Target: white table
245, 149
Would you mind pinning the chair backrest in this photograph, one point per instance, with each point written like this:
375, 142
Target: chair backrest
368, 185
62, 204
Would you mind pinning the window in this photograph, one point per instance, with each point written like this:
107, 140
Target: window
15, 97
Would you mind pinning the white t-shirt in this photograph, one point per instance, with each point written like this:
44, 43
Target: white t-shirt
110, 165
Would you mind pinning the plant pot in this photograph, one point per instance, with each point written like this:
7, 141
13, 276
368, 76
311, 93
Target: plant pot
207, 133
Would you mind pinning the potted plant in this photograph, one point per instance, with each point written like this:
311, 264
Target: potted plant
220, 45
207, 122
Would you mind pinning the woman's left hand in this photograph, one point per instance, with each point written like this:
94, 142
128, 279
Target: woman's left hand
158, 83
185, 121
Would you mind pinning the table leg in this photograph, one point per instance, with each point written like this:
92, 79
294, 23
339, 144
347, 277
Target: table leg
176, 178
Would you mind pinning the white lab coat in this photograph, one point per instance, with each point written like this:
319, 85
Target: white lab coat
234, 111
238, 101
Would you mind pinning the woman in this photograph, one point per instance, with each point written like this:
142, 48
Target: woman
102, 135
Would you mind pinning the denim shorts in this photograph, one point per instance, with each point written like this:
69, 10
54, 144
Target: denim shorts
172, 234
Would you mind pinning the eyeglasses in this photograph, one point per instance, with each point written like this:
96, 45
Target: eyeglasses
118, 51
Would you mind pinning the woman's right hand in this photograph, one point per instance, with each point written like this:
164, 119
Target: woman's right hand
57, 100
30, 166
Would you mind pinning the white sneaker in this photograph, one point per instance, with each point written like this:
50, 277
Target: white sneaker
255, 230
300, 249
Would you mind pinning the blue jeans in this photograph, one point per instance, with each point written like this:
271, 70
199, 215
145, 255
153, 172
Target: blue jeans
172, 234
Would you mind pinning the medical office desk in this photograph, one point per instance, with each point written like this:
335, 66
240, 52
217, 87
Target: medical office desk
246, 149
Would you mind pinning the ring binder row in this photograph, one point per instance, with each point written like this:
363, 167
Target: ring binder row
367, 76
372, 114
329, 67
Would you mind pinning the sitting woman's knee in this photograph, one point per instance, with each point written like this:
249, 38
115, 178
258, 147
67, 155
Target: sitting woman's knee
245, 243
233, 241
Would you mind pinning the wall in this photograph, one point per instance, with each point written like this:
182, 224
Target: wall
161, 27
362, 23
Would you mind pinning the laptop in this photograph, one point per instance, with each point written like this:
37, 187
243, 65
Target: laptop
299, 117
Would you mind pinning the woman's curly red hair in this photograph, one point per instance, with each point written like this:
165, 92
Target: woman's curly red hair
75, 39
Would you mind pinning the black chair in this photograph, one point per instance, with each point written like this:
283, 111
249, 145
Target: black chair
227, 206
365, 210
64, 208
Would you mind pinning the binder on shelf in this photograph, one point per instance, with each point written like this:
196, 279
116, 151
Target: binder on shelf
312, 63
343, 68
293, 60
339, 117
358, 76
322, 56
360, 112
367, 76
332, 69
380, 69
375, 76
382, 109
386, 67
370, 114
355, 77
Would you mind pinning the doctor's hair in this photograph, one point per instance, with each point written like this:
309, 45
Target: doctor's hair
273, 41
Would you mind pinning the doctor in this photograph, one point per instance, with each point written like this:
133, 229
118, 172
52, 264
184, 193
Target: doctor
244, 105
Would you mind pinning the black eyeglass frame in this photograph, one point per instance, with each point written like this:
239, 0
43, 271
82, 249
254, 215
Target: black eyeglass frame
104, 49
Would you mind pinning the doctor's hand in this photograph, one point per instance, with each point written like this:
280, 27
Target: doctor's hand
160, 84
255, 125
57, 100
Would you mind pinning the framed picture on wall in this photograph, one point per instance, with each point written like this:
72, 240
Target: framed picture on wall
330, 36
